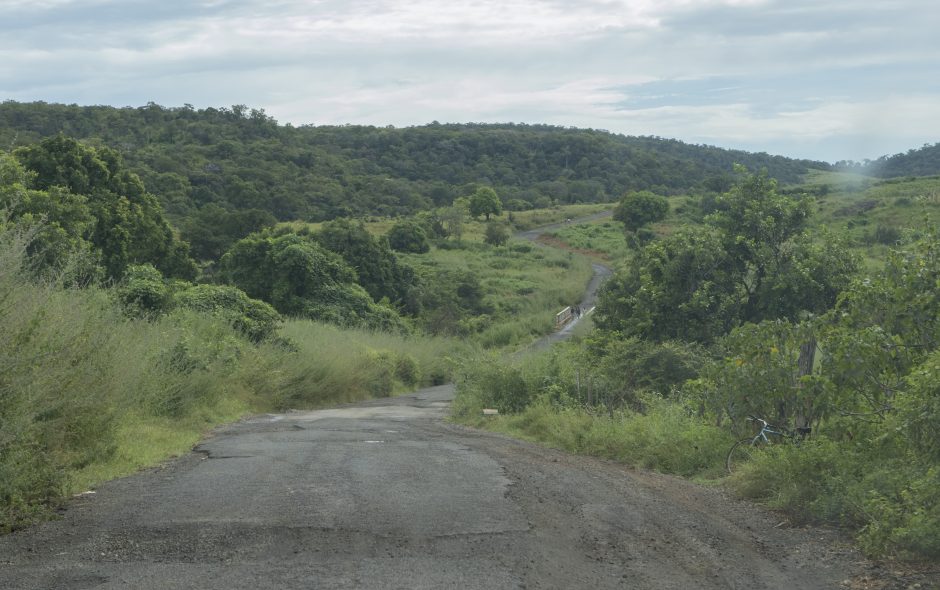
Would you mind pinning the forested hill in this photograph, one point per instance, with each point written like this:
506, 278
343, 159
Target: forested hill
923, 161
240, 158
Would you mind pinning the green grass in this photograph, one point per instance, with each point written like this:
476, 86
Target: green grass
524, 286
873, 213
474, 228
601, 240
536, 395
525, 220
88, 394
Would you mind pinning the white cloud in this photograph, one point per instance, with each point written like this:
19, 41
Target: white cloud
761, 73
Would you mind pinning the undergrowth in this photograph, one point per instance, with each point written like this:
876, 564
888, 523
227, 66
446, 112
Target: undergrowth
88, 393
851, 473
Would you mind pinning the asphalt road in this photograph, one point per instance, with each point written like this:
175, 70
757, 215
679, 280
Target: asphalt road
388, 494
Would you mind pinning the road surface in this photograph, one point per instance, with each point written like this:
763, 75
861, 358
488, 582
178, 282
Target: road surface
387, 494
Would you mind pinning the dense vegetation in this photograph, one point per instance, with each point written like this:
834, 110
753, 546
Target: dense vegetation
149, 288
753, 309
113, 356
241, 159
92, 388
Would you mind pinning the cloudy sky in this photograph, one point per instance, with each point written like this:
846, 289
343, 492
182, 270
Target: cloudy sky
825, 79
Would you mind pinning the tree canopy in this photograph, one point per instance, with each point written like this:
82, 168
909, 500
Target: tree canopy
298, 277
485, 202
106, 203
639, 208
240, 158
752, 262
408, 236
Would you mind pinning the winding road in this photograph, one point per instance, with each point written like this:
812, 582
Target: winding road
388, 494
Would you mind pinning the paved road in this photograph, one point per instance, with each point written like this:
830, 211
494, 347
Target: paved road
601, 273
388, 494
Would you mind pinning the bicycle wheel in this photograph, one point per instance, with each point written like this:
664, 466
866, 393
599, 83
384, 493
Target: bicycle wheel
740, 453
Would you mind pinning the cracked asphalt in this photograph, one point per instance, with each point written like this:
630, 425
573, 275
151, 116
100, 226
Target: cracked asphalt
388, 494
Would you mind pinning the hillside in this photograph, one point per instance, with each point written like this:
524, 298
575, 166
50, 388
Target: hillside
241, 159
924, 161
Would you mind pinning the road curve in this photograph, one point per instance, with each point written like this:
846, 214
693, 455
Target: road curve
589, 299
388, 494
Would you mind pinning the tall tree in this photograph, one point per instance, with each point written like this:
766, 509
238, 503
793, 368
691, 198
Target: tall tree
485, 202
129, 225
753, 262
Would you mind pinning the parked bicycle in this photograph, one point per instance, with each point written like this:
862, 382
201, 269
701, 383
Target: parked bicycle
742, 451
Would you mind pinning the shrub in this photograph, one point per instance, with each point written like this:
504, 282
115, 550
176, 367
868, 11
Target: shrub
255, 319
408, 236
497, 234
143, 290
407, 370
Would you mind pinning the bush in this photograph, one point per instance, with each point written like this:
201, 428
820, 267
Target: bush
255, 319
497, 234
408, 236
407, 370
494, 384
143, 291
885, 234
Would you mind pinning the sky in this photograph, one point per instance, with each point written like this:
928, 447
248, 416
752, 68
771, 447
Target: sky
822, 79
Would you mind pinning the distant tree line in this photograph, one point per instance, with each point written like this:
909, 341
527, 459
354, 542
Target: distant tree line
240, 159
924, 161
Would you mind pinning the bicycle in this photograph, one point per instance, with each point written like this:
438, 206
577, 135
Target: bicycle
742, 451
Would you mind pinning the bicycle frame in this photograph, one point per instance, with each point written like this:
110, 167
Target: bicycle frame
764, 430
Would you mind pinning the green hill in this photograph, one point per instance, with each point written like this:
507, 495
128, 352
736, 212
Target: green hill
242, 159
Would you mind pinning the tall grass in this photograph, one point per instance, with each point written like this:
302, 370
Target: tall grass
602, 239
524, 286
334, 365
535, 395
88, 393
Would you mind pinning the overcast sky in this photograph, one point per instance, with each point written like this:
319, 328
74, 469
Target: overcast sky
824, 79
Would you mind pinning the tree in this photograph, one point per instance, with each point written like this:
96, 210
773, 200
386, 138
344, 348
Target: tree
485, 202
60, 222
682, 287
640, 208
497, 234
758, 227
453, 217
129, 226
408, 236
213, 229
377, 268
752, 262
299, 277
